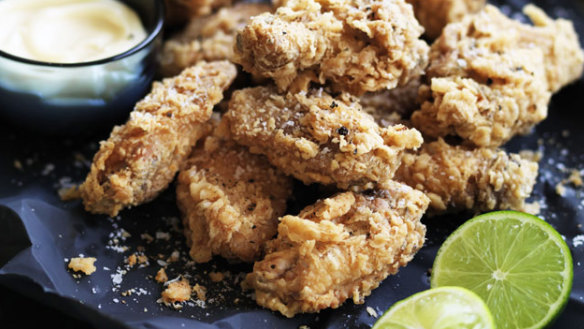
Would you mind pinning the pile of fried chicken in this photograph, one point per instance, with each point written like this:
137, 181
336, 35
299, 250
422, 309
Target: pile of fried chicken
400, 106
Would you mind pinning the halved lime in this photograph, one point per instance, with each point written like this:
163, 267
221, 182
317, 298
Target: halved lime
439, 308
516, 262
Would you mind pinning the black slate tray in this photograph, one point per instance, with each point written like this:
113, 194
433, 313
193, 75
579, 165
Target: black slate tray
39, 232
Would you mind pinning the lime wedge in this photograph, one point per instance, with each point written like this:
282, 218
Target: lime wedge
517, 263
439, 308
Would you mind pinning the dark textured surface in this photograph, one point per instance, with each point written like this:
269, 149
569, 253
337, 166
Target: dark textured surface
32, 168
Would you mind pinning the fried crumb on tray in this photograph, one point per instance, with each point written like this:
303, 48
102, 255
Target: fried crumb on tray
318, 138
575, 178
137, 259
176, 292
82, 264
161, 276
69, 193
339, 248
200, 291
142, 157
357, 46
216, 276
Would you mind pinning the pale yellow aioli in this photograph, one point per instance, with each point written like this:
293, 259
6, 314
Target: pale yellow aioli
68, 31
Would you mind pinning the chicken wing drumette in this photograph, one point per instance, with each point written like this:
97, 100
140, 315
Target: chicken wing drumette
339, 248
491, 77
318, 138
207, 38
357, 45
459, 178
141, 157
230, 201
434, 15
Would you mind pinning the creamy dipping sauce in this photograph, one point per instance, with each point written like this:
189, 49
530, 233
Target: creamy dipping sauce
68, 31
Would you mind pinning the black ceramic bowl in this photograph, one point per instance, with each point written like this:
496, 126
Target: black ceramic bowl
68, 99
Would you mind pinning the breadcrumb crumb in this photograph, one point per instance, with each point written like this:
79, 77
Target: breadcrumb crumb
161, 276
201, 292
575, 178
177, 291
371, 311
69, 193
216, 276
83, 264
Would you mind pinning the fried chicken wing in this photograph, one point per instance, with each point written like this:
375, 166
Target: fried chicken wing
339, 248
357, 45
491, 77
563, 55
141, 157
230, 201
207, 38
317, 138
459, 178
434, 15
483, 86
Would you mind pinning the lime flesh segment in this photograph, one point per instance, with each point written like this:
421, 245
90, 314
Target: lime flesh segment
516, 262
439, 308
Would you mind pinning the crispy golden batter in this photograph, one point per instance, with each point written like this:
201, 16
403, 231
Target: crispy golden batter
459, 178
207, 38
339, 248
230, 200
483, 85
563, 56
141, 157
357, 45
392, 106
317, 138
490, 77
434, 15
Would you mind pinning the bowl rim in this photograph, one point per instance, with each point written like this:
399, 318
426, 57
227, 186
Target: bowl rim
158, 28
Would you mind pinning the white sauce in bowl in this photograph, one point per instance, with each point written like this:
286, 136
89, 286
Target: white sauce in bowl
68, 31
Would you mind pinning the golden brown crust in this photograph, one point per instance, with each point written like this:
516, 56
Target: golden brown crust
434, 15
207, 38
230, 200
141, 157
459, 178
563, 55
357, 45
339, 248
482, 84
491, 77
317, 138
